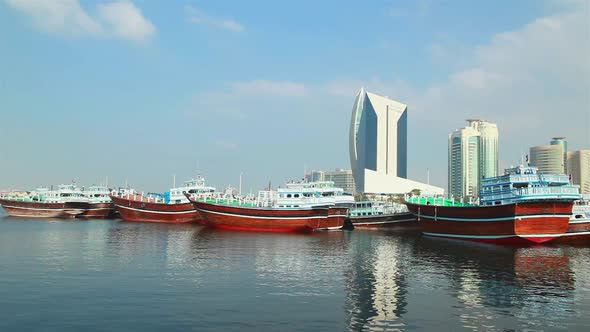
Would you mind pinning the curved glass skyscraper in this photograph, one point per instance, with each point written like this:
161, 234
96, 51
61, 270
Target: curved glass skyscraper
379, 146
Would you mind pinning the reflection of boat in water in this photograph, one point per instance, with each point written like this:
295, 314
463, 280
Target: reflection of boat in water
489, 282
530, 267
519, 207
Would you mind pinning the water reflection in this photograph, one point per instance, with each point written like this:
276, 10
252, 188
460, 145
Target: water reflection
376, 282
109, 274
500, 287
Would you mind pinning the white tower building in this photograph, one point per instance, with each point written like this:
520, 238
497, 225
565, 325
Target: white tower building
378, 146
473, 154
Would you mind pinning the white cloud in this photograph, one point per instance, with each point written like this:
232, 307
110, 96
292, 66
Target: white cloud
119, 19
126, 20
198, 16
58, 16
534, 82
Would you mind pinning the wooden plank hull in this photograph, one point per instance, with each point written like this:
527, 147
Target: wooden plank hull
98, 211
578, 233
39, 209
517, 223
269, 219
396, 221
138, 208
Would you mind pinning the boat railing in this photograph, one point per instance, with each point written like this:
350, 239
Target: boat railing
231, 201
561, 190
431, 200
534, 192
530, 178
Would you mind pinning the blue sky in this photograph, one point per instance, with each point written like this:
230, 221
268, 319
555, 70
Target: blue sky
142, 90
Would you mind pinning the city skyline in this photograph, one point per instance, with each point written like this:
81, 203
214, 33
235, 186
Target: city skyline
225, 89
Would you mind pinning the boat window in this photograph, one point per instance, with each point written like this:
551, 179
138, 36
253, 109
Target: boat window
296, 195
497, 202
288, 195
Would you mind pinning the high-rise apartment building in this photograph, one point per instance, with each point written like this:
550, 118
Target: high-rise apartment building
342, 178
473, 155
578, 167
378, 146
548, 158
563, 143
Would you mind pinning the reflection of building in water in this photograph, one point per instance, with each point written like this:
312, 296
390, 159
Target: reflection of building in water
376, 286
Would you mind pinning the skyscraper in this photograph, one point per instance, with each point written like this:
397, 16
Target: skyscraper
578, 167
488, 149
378, 146
561, 141
473, 155
548, 158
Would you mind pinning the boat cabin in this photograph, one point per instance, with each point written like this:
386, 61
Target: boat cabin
525, 183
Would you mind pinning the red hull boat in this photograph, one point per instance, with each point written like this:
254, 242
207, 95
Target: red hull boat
30, 209
141, 208
270, 219
517, 223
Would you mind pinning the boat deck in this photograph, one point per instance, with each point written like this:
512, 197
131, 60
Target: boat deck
439, 201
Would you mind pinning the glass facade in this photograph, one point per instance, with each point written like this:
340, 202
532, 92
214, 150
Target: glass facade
473, 155
378, 137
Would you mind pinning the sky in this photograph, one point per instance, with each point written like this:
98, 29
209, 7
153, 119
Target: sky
142, 91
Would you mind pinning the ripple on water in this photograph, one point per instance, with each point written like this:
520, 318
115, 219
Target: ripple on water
97, 275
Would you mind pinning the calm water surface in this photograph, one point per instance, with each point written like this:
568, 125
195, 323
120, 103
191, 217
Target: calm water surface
111, 275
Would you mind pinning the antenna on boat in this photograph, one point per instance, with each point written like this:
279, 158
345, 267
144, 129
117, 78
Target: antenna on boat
174, 180
240, 187
428, 176
107, 181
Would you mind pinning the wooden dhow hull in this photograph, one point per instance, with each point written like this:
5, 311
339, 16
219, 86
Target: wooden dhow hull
98, 211
396, 221
522, 223
16, 208
270, 219
139, 208
578, 233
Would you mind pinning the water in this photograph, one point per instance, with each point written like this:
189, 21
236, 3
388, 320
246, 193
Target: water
101, 275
